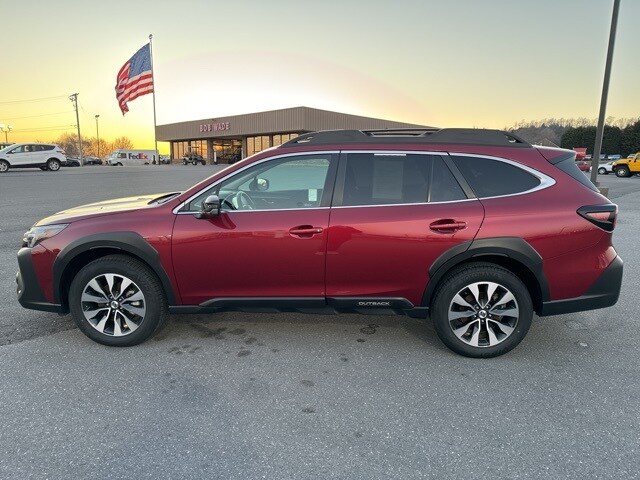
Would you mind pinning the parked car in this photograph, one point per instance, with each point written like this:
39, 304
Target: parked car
193, 159
92, 161
165, 159
71, 162
627, 167
46, 156
476, 228
584, 165
605, 168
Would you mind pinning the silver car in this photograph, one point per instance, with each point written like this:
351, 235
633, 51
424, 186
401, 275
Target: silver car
605, 168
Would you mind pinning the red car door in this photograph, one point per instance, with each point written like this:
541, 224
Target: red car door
398, 213
269, 240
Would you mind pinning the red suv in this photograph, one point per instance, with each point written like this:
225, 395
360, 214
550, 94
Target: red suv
476, 228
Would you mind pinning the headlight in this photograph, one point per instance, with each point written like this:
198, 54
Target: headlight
36, 234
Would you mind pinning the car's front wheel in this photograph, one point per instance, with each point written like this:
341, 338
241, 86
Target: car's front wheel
602, 171
4, 166
53, 165
622, 171
117, 301
481, 310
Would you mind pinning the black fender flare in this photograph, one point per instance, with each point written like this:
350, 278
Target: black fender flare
513, 248
129, 242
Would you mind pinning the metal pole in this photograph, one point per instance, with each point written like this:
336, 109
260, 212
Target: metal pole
153, 75
98, 135
74, 99
605, 91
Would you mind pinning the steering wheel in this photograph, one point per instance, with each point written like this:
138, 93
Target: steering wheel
238, 201
243, 201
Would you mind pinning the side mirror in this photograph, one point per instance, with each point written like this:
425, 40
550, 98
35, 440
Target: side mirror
210, 207
259, 185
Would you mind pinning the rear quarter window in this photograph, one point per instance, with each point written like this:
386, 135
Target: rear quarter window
494, 178
569, 167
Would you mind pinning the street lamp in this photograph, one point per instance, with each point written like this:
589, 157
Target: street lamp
98, 135
6, 129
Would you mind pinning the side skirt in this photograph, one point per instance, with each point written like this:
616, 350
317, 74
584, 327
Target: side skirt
312, 305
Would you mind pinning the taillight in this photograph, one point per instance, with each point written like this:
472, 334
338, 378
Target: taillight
603, 216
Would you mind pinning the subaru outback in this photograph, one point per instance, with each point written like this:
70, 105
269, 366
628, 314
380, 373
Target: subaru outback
476, 229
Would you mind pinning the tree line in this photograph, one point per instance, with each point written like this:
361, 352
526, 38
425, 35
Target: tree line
90, 145
621, 136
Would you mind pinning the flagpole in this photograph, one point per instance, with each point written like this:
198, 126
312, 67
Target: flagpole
153, 75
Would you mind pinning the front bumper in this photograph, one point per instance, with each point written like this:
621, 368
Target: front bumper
603, 293
28, 289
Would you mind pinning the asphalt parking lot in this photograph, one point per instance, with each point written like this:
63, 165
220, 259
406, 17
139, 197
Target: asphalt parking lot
284, 396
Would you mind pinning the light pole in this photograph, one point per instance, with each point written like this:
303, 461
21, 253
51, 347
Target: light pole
6, 129
98, 135
595, 159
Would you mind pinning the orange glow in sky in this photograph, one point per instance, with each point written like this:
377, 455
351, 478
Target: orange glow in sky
486, 63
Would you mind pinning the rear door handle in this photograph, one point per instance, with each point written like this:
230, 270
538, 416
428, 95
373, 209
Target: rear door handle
447, 225
305, 231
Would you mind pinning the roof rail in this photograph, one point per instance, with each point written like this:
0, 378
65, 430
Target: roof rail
468, 136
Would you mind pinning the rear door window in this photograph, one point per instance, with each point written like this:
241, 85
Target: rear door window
387, 178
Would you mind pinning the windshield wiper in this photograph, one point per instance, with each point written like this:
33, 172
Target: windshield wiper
164, 198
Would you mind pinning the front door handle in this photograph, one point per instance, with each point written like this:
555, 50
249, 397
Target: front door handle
447, 225
305, 231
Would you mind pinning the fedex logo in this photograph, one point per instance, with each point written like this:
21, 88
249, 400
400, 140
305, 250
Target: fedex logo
138, 156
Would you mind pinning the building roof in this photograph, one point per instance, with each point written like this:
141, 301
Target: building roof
297, 119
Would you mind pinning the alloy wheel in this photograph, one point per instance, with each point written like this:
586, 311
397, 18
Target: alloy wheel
113, 304
483, 314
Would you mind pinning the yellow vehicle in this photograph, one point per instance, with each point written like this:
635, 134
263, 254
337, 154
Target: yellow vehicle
627, 166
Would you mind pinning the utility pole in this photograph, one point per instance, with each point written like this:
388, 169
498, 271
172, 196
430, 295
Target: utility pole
98, 135
74, 99
595, 160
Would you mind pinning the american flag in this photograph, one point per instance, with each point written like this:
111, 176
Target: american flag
135, 78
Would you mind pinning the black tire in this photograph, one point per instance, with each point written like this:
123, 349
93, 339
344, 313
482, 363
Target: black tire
118, 164
4, 166
603, 171
53, 165
506, 331
152, 305
623, 171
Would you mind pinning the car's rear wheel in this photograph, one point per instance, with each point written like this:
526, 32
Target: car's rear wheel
53, 165
4, 166
602, 171
117, 301
481, 310
622, 171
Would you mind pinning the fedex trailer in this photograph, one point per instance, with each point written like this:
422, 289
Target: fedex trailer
133, 157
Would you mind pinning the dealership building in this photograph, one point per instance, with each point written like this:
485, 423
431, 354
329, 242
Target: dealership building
227, 139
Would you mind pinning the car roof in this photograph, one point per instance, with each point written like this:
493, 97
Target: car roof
459, 136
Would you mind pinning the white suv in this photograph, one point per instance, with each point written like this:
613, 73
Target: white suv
46, 156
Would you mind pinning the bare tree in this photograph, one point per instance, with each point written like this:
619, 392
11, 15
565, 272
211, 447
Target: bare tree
123, 143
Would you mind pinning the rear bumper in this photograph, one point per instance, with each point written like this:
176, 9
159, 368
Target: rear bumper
28, 289
603, 293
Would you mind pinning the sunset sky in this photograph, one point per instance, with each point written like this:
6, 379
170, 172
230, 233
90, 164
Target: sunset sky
487, 63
